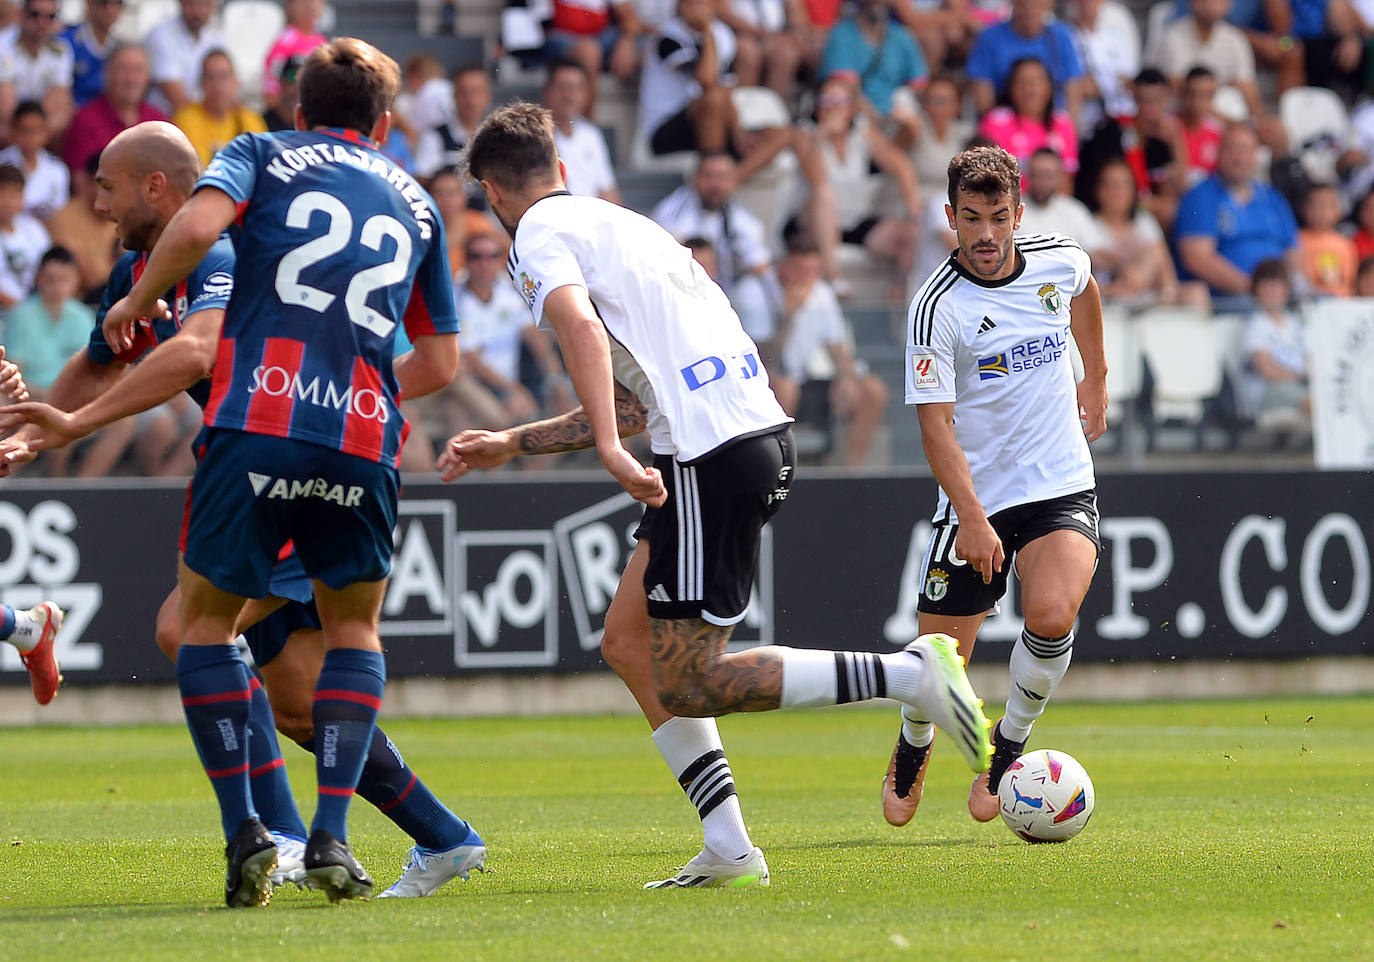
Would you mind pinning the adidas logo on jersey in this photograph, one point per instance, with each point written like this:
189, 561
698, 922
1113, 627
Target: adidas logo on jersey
285, 490
659, 593
987, 325
1082, 518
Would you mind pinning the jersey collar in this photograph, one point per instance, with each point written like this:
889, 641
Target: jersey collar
352, 136
552, 193
968, 275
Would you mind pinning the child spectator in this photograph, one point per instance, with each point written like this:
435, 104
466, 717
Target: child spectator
1275, 353
426, 97
1326, 257
50, 325
89, 236
47, 182
22, 239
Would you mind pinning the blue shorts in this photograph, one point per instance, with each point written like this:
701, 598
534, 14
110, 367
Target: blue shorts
268, 637
252, 493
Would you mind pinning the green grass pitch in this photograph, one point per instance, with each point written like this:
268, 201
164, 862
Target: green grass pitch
1223, 830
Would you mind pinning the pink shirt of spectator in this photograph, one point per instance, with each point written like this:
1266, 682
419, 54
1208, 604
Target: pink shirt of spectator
291, 43
1021, 137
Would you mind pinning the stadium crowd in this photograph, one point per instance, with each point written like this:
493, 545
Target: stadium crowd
1212, 156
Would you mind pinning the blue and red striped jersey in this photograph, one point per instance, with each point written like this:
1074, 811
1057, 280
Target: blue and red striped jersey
208, 286
337, 245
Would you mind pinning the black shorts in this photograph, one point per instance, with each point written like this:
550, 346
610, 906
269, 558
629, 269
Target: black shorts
954, 587
704, 540
675, 135
860, 231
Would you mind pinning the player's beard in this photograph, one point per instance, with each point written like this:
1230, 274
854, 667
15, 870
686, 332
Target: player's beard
970, 256
137, 228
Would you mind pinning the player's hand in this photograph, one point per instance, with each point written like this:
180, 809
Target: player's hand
475, 450
978, 544
1092, 406
49, 427
13, 451
121, 320
12, 379
644, 484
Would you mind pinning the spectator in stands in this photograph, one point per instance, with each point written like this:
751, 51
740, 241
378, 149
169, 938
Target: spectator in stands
89, 236
37, 65
597, 34
461, 222
1339, 57
1275, 350
706, 207
47, 182
581, 144
879, 57
175, 49
426, 97
771, 39
1201, 128
1027, 119
1267, 25
120, 105
945, 29
1364, 278
1364, 226
49, 325
1150, 138
297, 39
1031, 33
22, 239
442, 146
1108, 42
283, 115
217, 117
91, 42
1204, 38
1230, 222
851, 148
943, 134
1131, 260
813, 344
1326, 257
1049, 209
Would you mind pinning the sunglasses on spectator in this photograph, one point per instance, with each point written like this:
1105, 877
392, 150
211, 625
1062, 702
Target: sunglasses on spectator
484, 255
40, 15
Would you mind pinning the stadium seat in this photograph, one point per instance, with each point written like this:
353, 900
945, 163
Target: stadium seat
1185, 350
251, 27
1318, 126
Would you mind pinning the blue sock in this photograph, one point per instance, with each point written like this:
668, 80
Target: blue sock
6, 621
215, 696
388, 783
347, 697
267, 772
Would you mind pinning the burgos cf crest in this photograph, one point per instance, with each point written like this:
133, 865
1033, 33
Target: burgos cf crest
1050, 298
937, 583
530, 287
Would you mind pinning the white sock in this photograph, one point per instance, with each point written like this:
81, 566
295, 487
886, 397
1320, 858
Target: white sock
916, 732
27, 632
1037, 666
813, 678
808, 678
693, 751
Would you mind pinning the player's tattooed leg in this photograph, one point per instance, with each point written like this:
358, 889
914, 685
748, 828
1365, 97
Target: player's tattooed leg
697, 678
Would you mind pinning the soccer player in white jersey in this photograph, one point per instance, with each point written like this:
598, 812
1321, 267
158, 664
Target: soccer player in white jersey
630, 305
1006, 433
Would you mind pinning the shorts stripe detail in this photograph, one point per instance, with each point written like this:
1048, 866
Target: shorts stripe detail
343, 694
681, 531
691, 578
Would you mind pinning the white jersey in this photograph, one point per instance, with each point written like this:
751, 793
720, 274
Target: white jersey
999, 350
675, 341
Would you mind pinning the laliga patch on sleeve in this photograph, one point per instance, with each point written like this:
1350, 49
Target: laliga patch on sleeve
925, 374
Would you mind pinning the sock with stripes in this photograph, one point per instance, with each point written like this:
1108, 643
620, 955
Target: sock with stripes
347, 697
693, 751
1037, 666
397, 792
267, 772
215, 697
812, 678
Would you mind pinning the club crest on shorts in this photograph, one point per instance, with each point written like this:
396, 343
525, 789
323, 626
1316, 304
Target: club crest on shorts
1050, 298
528, 288
937, 583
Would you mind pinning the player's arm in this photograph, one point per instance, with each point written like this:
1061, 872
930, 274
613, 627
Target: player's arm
81, 379
428, 366
170, 368
184, 243
1085, 320
476, 449
977, 542
1199, 255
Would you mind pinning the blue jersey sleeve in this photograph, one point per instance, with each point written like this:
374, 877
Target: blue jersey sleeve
120, 282
982, 59
234, 169
211, 284
432, 309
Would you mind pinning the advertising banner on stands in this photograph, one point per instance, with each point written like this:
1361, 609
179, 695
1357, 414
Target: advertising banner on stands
513, 574
1340, 341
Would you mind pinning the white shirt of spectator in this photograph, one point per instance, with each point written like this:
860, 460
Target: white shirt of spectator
1011, 380
736, 234
429, 106
585, 155
931, 155
1111, 54
1062, 215
34, 76
1145, 234
175, 54
675, 341
816, 325
20, 251
1285, 343
47, 187
655, 13
851, 176
495, 327
431, 154
668, 84
771, 15
1226, 53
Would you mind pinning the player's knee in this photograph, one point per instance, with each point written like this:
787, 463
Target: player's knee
294, 724
685, 697
1051, 618
617, 648
167, 634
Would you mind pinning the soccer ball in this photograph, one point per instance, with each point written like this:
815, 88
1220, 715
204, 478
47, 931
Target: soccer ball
1046, 796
